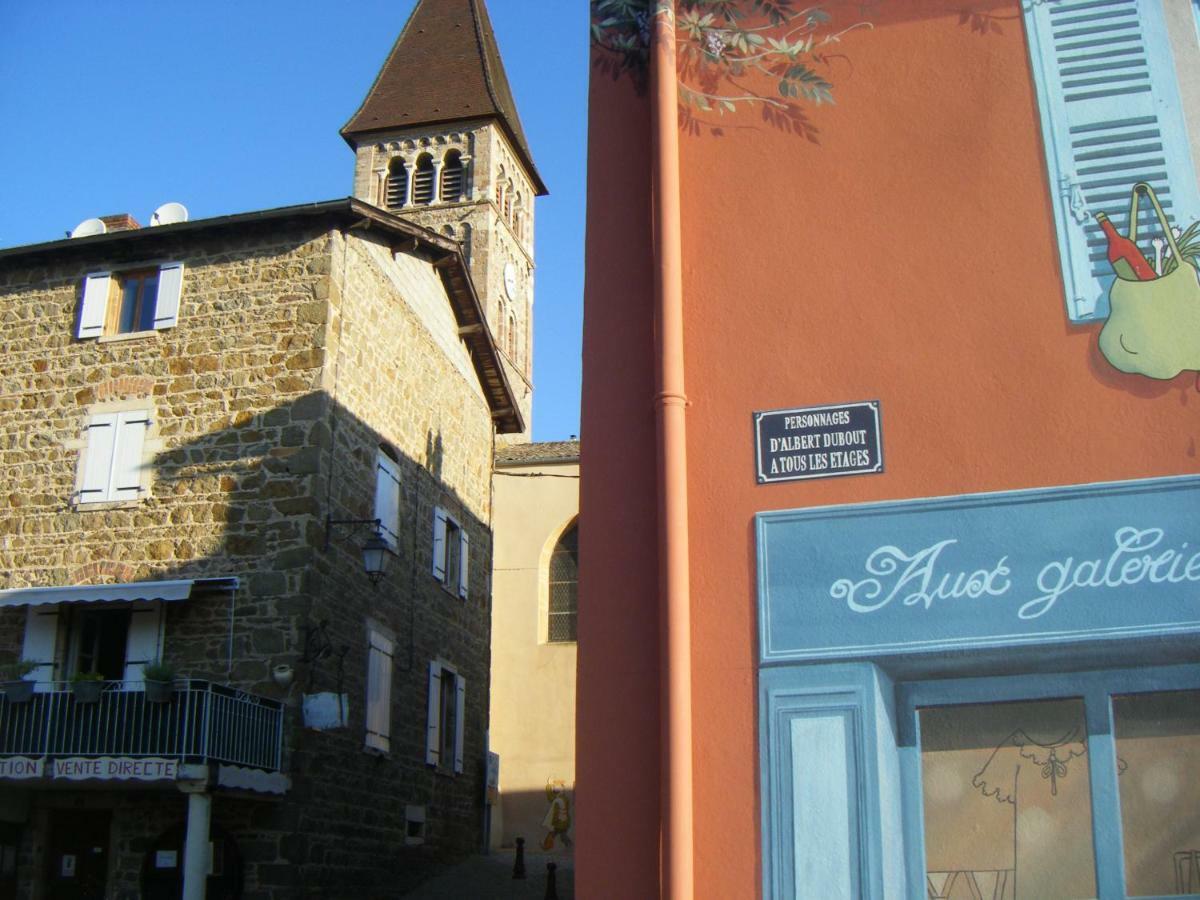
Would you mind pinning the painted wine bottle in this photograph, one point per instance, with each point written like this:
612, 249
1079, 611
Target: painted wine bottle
1127, 260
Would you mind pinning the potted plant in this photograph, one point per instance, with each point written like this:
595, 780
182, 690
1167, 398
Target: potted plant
87, 686
16, 688
158, 678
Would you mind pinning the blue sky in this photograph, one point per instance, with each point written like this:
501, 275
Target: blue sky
234, 106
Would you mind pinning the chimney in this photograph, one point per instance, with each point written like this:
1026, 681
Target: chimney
120, 222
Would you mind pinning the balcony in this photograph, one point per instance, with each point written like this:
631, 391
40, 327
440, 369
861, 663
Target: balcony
201, 723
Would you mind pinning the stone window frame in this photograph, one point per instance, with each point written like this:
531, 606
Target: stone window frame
152, 445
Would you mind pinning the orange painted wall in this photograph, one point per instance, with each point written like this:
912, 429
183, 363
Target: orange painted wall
909, 256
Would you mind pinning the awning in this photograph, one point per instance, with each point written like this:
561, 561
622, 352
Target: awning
110, 593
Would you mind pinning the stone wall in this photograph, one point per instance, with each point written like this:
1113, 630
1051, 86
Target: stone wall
296, 355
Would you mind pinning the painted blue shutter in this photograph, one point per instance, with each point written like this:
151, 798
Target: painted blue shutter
460, 714
387, 500
1111, 116
439, 543
464, 554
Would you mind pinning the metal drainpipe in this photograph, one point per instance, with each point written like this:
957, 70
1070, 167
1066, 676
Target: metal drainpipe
670, 404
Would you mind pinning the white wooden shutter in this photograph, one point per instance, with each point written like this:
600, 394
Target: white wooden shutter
97, 458
379, 691
94, 305
127, 457
170, 286
462, 562
439, 543
433, 727
41, 640
387, 500
1111, 117
144, 643
460, 709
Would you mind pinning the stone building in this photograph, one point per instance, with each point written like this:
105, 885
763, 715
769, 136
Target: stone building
535, 589
257, 449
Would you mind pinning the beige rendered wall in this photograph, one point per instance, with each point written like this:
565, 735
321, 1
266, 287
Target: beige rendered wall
533, 682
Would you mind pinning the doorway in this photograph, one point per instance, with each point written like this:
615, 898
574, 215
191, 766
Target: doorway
78, 854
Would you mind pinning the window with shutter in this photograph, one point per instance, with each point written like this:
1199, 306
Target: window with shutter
433, 726
144, 642
423, 184
380, 647
452, 177
446, 722
41, 642
387, 499
1111, 117
130, 301
112, 461
396, 188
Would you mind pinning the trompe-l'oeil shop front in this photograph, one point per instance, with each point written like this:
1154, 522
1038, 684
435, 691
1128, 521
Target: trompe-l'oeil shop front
994, 695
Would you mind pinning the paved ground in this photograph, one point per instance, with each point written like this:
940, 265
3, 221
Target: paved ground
490, 878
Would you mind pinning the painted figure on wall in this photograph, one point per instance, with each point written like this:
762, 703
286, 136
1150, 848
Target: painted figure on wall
558, 817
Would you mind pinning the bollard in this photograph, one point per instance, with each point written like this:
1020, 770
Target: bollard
551, 887
519, 862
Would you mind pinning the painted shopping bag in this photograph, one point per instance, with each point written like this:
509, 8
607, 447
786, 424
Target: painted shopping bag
1154, 326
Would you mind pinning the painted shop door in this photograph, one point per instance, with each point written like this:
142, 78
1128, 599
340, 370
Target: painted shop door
78, 857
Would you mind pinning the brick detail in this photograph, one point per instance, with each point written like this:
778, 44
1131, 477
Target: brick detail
102, 573
128, 386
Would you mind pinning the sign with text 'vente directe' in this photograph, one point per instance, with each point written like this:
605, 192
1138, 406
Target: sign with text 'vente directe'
817, 442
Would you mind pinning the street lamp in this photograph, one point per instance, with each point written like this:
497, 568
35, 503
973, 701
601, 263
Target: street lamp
375, 551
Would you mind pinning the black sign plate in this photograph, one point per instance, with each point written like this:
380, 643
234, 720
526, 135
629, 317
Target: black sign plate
818, 442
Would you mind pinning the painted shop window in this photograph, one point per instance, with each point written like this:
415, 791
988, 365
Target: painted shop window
381, 644
395, 190
447, 706
564, 588
130, 301
1158, 758
450, 553
111, 463
1006, 794
452, 177
387, 497
1109, 99
423, 183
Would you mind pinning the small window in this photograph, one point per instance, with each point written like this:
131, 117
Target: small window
387, 498
97, 642
130, 301
414, 825
395, 191
452, 177
508, 201
511, 337
564, 588
423, 181
450, 553
447, 702
380, 647
111, 465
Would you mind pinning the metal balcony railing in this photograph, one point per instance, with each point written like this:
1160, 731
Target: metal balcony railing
201, 723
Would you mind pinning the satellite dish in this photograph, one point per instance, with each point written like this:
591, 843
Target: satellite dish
88, 227
169, 214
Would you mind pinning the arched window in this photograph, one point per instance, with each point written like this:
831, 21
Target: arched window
512, 337
564, 588
397, 184
466, 241
452, 177
508, 201
423, 181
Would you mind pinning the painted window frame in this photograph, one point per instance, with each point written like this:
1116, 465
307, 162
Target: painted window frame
1086, 295
100, 300
1096, 689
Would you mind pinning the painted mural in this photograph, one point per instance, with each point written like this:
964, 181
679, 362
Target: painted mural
1153, 327
557, 821
774, 57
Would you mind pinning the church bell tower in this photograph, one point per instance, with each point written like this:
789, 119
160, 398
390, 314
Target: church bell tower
437, 140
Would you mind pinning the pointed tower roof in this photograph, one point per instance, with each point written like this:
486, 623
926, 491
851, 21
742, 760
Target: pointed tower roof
445, 66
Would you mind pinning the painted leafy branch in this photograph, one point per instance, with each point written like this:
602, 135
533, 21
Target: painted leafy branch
731, 55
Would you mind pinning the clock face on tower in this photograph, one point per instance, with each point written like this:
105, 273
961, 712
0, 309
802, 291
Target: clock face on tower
510, 281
